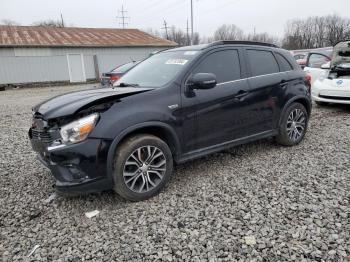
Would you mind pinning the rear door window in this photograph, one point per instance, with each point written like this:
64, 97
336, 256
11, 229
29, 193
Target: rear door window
224, 64
283, 62
262, 62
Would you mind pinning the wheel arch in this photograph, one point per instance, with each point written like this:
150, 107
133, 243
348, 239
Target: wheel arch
158, 129
298, 99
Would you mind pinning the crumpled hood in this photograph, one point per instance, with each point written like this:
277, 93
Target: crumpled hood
341, 53
70, 103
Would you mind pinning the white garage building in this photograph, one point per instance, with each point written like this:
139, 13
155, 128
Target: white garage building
30, 54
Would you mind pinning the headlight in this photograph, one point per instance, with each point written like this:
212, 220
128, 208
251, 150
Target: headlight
78, 130
324, 75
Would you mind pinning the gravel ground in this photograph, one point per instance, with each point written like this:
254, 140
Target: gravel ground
258, 202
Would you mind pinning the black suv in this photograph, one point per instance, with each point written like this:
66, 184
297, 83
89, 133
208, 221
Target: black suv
175, 106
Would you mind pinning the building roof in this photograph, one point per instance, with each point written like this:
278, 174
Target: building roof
37, 36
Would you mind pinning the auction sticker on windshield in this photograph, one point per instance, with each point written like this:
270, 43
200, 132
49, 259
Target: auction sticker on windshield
176, 62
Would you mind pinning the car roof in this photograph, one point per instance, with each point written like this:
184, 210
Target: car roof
222, 43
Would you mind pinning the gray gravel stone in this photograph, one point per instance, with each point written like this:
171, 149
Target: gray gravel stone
295, 201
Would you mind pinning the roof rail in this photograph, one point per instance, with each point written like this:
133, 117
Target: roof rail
233, 42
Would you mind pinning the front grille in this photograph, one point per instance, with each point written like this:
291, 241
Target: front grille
336, 97
42, 135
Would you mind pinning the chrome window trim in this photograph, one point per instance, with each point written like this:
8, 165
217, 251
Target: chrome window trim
241, 79
223, 83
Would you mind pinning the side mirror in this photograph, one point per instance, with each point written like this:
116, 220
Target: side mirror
203, 81
326, 66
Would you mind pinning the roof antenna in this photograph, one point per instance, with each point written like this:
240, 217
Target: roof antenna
132, 60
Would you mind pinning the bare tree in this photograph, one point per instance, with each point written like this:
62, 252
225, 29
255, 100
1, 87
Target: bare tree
207, 39
196, 39
178, 36
228, 32
232, 32
338, 29
262, 37
315, 32
312, 32
8, 22
49, 23
153, 32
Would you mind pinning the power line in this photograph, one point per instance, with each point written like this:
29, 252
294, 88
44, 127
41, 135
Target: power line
150, 13
221, 6
123, 17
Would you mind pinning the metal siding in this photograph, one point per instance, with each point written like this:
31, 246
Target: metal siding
32, 51
113, 58
7, 52
89, 67
33, 69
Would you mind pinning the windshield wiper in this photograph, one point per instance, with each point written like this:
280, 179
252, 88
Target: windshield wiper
127, 85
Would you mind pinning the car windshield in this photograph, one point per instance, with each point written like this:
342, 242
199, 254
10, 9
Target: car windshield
157, 70
123, 68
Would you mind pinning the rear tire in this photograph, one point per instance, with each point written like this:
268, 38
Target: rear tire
293, 125
142, 167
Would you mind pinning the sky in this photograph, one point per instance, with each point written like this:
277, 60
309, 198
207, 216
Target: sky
263, 15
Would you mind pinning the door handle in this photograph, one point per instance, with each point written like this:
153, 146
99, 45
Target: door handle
283, 84
241, 94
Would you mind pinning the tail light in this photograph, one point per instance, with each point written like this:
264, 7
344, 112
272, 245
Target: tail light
114, 78
308, 80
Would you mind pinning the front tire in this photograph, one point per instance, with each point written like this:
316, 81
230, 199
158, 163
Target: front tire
143, 165
293, 125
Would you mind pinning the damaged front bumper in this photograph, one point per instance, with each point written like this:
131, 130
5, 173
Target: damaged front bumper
77, 168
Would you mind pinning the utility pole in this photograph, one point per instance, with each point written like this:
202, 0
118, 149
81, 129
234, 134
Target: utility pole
191, 22
123, 17
166, 29
62, 21
188, 35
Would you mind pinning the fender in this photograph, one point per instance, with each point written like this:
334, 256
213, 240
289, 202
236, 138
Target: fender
290, 101
125, 132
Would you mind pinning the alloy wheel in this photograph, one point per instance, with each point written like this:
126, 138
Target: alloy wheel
296, 124
144, 169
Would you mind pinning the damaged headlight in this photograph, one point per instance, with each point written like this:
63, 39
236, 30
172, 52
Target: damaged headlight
78, 130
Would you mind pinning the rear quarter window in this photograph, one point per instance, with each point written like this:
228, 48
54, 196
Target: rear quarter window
284, 63
262, 62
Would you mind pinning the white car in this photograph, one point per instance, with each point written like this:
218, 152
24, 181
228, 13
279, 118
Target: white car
316, 61
333, 84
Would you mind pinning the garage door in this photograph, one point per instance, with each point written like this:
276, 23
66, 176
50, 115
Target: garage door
76, 68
